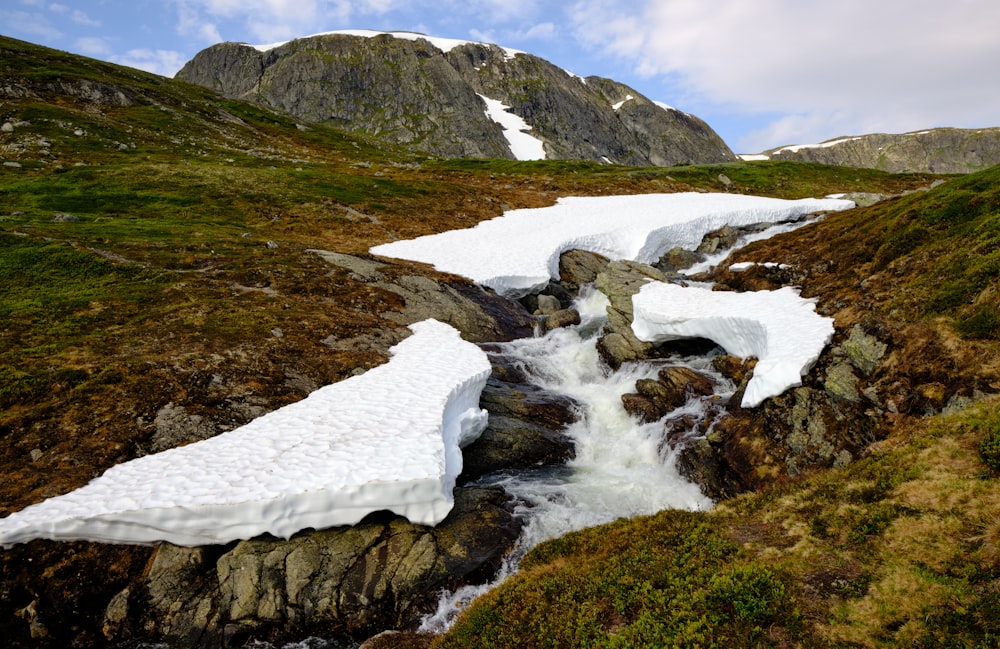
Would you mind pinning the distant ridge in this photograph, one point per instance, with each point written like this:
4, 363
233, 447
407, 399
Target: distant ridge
937, 150
449, 97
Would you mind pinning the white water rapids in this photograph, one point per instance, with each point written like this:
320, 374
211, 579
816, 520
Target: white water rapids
622, 467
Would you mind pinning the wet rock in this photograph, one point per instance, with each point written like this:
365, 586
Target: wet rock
579, 267
526, 425
641, 407
381, 573
619, 282
561, 318
677, 259
514, 443
655, 398
547, 305
526, 401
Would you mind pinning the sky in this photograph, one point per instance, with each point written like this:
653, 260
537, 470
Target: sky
762, 73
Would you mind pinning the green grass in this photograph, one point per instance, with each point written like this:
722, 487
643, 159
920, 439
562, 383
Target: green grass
665, 580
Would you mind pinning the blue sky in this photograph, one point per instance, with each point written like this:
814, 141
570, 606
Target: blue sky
762, 73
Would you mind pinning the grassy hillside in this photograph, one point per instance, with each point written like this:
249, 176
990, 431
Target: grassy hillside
154, 246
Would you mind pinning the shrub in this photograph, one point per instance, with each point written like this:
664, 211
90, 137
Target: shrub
989, 448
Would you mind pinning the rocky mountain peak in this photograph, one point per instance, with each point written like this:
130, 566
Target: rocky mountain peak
431, 93
936, 150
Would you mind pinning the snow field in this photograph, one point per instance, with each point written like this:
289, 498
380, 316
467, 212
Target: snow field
518, 253
780, 328
387, 439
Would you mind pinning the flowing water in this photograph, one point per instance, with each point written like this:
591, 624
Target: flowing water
622, 468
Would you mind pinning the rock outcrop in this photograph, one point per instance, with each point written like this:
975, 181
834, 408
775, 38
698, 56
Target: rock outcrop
408, 90
938, 150
345, 580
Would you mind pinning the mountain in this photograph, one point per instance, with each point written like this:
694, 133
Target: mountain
938, 150
433, 94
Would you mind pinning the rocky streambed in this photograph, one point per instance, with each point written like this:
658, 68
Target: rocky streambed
385, 573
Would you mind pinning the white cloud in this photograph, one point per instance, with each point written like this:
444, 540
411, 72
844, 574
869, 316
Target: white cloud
541, 31
80, 18
93, 46
29, 25
162, 62
891, 65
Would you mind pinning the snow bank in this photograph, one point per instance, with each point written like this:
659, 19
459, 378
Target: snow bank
443, 44
523, 145
387, 439
518, 253
747, 265
780, 328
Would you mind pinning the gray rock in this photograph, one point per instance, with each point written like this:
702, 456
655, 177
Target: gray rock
382, 573
864, 351
842, 383
480, 316
176, 426
721, 239
619, 282
938, 150
562, 318
547, 305
410, 92
678, 259
367, 270
580, 267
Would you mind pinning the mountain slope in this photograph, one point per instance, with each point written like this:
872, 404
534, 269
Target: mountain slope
938, 150
426, 92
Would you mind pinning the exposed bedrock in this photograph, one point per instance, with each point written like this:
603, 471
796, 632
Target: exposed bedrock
526, 425
653, 399
354, 580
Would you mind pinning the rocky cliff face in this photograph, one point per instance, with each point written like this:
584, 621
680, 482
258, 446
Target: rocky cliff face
410, 91
939, 150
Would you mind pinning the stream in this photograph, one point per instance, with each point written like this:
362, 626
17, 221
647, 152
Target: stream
622, 468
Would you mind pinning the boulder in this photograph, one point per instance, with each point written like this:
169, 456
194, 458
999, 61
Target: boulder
561, 318
381, 573
580, 267
678, 259
619, 282
654, 398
